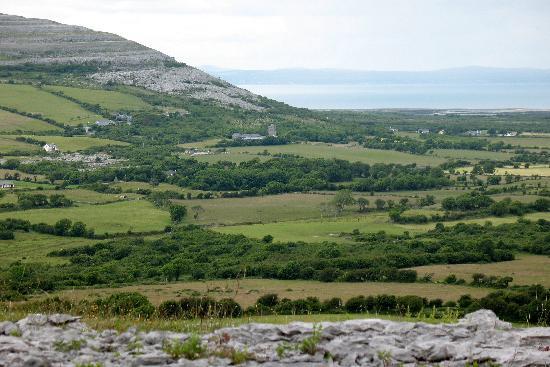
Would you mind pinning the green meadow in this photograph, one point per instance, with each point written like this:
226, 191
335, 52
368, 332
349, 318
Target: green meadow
348, 152
110, 100
27, 98
118, 217
68, 143
12, 122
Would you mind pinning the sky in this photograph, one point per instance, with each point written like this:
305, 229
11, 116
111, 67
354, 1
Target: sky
343, 34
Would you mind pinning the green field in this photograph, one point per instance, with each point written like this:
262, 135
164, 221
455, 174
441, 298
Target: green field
88, 196
119, 217
8, 144
265, 209
534, 170
110, 100
69, 143
526, 270
26, 98
33, 247
351, 153
526, 142
471, 154
10, 122
329, 229
318, 230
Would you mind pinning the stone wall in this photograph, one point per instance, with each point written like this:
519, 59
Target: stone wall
62, 340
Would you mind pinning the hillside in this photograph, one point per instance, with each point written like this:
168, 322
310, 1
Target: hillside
27, 44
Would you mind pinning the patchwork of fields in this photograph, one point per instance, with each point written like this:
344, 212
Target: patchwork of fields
26, 98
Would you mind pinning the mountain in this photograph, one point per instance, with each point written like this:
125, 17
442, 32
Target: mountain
106, 58
466, 75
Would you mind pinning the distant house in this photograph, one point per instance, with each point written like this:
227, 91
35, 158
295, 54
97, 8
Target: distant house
441, 132
239, 136
394, 130
423, 131
473, 133
272, 130
50, 148
6, 185
511, 133
123, 117
105, 122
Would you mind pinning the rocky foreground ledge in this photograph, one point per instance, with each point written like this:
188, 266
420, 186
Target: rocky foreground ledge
62, 340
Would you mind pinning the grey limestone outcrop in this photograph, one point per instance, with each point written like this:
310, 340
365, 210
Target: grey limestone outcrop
63, 340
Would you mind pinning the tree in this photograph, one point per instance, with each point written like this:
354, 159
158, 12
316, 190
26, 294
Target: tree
62, 227
342, 199
177, 213
363, 204
380, 204
197, 211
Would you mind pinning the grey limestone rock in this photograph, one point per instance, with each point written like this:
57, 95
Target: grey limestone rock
62, 340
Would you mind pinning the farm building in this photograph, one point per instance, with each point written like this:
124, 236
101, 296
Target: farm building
423, 131
50, 148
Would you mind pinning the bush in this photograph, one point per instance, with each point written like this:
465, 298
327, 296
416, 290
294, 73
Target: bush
126, 304
6, 235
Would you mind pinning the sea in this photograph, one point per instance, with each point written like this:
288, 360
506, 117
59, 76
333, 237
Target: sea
417, 96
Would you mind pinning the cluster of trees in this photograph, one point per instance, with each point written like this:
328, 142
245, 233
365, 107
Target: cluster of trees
268, 140
277, 175
32, 201
63, 227
475, 201
196, 253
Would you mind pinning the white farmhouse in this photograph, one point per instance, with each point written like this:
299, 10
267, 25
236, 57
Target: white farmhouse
50, 148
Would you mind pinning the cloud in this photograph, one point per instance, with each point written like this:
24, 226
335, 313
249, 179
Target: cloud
353, 34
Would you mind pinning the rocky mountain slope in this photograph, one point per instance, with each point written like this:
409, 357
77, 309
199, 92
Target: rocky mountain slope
27, 41
62, 340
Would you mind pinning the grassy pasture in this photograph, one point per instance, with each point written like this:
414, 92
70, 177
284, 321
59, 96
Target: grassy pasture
199, 144
538, 170
329, 229
10, 122
272, 208
26, 98
8, 144
84, 196
33, 247
525, 142
247, 291
471, 154
136, 215
318, 230
340, 151
526, 270
70, 143
348, 152
231, 157
110, 100
10, 172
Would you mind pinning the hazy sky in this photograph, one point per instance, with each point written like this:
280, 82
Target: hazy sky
353, 34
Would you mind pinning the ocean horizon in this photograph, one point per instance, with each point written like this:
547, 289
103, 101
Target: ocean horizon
408, 95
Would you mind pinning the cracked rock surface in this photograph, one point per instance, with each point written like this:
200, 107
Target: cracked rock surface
63, 340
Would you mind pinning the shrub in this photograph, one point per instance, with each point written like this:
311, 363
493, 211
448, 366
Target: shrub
191, 349
126, 304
